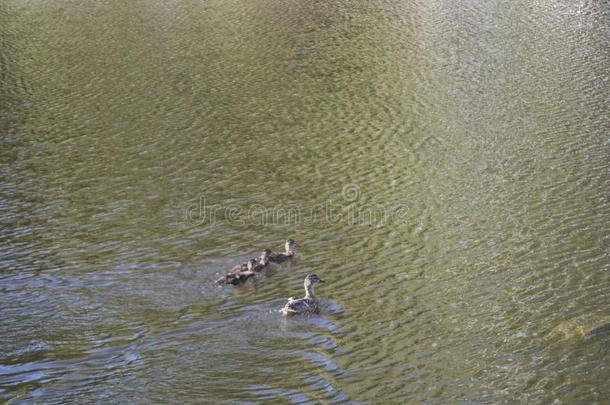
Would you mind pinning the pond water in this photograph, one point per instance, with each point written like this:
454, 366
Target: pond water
443, 165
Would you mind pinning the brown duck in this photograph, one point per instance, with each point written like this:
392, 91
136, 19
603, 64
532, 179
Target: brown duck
282, 257
308, 304
240, 274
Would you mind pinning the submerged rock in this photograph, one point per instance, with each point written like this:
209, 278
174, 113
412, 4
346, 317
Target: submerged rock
579, 328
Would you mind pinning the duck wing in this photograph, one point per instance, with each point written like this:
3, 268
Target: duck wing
237, 275
226, 279
296, 306
242, 276
278, 257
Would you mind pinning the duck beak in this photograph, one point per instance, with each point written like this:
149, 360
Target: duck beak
321, 281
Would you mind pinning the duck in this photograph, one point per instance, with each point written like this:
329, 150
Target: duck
241, 273
282, 257
308, 304
263, 260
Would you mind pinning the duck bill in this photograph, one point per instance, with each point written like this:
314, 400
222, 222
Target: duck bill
321, 281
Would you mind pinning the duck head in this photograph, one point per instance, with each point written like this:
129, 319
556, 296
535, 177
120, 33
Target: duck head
310, 281
264, 258
313, 279
290, 245
251, 264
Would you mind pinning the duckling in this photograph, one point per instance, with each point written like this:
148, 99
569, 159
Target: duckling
239, 274
282, 257
308, 304
263, 260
